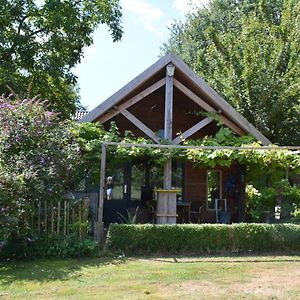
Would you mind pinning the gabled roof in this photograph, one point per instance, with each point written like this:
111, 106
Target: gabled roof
190, 77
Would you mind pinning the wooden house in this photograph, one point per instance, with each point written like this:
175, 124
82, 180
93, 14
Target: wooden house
164, 100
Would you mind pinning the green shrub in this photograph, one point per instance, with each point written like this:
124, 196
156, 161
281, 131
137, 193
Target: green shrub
282, 193
47, 247
203, 238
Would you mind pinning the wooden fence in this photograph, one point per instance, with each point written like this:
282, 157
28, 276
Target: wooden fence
61, 218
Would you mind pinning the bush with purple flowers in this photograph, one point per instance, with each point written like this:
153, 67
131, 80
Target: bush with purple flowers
39, 159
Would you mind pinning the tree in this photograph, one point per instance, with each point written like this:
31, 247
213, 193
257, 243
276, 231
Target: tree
248, 51
41, 41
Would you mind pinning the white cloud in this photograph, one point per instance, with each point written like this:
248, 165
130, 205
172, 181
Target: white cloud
147, 14
187, 6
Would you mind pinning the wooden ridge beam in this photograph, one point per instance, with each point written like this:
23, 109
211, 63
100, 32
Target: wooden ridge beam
192, 130
207, 107
110, 114
140, 125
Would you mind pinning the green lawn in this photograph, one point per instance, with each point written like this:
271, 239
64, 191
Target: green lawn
153, 278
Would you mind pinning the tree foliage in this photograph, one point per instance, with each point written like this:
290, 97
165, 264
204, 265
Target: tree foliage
41, 41
248, 51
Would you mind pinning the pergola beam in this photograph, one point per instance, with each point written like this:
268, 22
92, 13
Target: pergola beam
192, 130
132, 101
120, 144
139, 124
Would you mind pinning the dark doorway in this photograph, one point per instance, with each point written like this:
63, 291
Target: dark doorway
117, 192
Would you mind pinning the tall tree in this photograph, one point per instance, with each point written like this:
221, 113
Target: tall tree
42, 40
248, 51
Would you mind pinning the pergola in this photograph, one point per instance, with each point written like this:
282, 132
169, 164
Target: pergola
167, 197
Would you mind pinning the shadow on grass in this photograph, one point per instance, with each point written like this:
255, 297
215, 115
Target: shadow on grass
42, 270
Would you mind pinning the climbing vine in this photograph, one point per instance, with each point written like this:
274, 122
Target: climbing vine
91, 136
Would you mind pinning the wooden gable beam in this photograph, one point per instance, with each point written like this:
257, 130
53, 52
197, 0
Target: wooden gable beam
140, 125
193, 96
207, 107
110, 114
192, 130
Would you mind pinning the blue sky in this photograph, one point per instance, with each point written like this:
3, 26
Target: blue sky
108, 66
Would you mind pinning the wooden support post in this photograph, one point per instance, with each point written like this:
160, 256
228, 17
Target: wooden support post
39, 217
169, 102
99, 225
32, 219
58, 218
65, 217
26, 222
79, 217
166, 206
46, 219
68, 216
73, 214
168, 122
52, 218
168, 175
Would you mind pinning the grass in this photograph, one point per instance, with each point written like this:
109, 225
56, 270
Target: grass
270, 277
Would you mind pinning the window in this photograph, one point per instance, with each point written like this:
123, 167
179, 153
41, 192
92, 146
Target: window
214, 187
137, 182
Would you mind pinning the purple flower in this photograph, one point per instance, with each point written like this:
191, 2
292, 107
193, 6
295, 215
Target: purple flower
6, 105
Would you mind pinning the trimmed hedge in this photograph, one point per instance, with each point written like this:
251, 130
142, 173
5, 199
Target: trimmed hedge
203, 238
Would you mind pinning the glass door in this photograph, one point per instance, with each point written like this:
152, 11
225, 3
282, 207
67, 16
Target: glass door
116, 199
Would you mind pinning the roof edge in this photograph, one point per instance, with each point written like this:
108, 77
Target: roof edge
104, 106
219, 101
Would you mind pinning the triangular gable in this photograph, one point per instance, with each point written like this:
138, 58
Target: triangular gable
185, 80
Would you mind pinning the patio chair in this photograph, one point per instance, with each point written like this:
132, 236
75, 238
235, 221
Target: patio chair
196, 212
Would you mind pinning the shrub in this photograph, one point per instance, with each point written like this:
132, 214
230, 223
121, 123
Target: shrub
282, 193
38, 160
203, 238
48, 246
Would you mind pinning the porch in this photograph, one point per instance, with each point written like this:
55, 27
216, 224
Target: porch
136, 190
